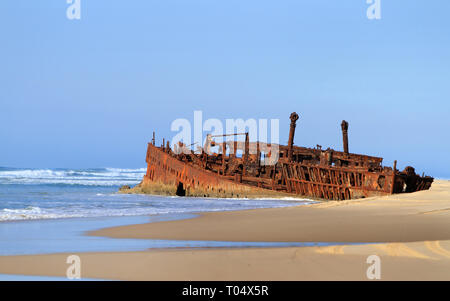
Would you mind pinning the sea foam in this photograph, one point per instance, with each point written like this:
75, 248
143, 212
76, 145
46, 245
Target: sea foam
89, 177
28, 194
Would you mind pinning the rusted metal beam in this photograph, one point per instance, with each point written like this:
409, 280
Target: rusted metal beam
224, 152
245, 157
344, 126
294, 117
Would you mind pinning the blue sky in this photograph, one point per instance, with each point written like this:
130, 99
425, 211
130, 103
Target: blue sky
89, 92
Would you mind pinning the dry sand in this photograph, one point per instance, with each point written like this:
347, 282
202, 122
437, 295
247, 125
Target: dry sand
410, 233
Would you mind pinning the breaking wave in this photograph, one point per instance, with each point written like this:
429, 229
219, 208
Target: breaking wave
24, 214
89, 177
31, 194
133, 205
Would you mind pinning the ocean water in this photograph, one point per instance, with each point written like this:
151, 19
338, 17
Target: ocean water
67, 235
30, 194
50, 210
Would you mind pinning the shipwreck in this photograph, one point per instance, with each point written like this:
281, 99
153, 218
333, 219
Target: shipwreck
294, 171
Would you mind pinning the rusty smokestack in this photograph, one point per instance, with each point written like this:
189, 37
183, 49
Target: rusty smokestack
344, 126
294, 117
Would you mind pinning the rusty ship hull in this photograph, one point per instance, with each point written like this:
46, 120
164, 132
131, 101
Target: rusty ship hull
167, 175
298, 171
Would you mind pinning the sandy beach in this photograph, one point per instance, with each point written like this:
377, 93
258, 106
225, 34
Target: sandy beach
409, 232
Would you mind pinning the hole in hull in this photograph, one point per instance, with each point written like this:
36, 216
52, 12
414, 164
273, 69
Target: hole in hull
180, 190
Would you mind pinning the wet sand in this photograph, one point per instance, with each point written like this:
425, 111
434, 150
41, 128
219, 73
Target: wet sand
410, 233
419, 216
